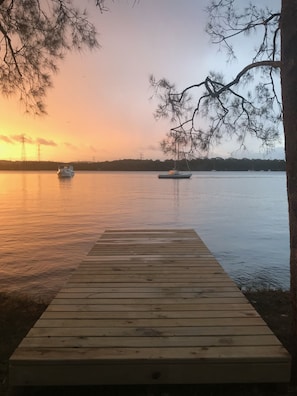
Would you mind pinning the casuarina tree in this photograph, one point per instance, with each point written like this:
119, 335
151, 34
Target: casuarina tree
34, 36
259, 101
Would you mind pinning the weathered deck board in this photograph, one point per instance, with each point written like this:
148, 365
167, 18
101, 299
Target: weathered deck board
149, 306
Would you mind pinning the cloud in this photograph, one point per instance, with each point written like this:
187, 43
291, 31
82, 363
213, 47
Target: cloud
45, 142
152, 147
27, 139
71, 146
6, 139
273, 153
22, 139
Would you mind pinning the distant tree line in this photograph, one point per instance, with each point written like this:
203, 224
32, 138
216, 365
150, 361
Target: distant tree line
199, 164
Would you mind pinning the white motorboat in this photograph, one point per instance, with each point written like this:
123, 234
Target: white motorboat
65, 171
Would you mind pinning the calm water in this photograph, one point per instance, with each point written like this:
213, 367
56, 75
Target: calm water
48, 225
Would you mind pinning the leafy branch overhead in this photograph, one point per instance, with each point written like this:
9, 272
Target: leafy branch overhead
206, 111
34, 37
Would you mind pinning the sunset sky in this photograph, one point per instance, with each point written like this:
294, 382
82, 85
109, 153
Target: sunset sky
100, 107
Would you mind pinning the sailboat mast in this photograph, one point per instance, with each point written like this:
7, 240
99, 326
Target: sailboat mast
176, 154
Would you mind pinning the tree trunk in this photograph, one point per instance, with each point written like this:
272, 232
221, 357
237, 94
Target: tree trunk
289, 98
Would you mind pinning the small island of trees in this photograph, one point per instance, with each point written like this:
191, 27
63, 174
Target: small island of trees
199, 164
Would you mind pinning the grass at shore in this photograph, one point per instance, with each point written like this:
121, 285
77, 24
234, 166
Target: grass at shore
18, 314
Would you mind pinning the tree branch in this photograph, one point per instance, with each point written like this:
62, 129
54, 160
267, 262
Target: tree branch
272, 64
8, 41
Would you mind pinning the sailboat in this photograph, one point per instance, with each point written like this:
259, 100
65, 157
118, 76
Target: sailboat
175, 173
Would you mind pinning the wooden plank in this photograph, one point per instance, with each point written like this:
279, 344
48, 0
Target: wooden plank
152, 322
93, 287
153, 294
167, 300
149, 270
145, 331
79, 291
145, 278
74, 306
149, 372
95, 314
151, 342
149, 306
251, 353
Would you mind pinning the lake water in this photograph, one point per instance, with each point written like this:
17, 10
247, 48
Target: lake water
48, 225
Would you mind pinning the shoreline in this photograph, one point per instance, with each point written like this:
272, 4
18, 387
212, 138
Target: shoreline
127, 165
19, 313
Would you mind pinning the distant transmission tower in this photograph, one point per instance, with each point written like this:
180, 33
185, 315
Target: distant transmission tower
23, 149
38, 150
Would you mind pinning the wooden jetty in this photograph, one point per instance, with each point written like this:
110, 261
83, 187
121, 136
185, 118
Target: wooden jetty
149, 307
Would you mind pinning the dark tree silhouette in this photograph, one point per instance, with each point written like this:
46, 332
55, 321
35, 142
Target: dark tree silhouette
259, 101
34, 36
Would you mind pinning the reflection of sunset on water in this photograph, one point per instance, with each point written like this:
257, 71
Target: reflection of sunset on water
49, 224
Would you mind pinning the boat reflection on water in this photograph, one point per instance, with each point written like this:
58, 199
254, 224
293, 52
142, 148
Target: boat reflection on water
65, 183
